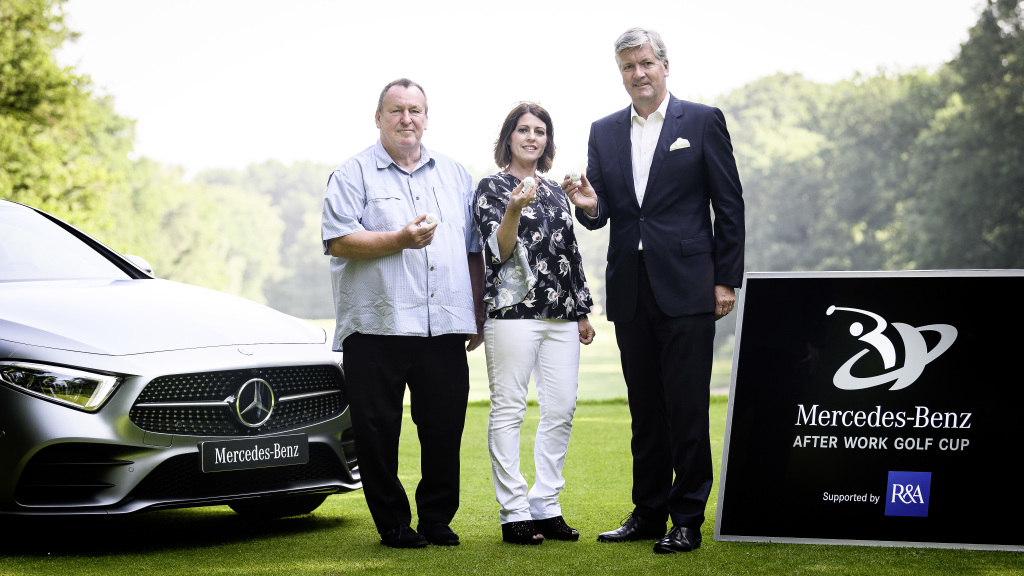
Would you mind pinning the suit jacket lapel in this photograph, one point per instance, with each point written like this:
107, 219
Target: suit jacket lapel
673, 116
624, 146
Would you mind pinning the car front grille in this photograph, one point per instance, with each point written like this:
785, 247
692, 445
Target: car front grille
204, 404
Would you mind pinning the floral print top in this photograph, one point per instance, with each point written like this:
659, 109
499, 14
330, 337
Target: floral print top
543, 278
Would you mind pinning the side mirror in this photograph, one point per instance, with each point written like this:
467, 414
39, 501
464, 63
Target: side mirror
140, 263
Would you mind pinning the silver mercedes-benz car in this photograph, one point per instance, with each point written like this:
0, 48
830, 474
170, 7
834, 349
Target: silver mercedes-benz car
120, 392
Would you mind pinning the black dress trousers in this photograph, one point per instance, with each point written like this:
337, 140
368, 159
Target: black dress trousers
666, 362
377, 370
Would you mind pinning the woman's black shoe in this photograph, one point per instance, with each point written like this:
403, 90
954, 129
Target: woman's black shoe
556, 529
521, 532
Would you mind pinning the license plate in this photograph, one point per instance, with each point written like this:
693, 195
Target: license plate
251, 453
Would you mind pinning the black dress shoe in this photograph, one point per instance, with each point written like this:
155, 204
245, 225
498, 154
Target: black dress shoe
678, 539
403, 537
438, 534
633, 529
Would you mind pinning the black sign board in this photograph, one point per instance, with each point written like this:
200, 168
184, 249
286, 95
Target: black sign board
876, 409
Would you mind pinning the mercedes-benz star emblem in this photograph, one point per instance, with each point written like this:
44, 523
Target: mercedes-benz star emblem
254, 403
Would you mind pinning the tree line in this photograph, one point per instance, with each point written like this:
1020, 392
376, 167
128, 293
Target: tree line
895, 171
892, 171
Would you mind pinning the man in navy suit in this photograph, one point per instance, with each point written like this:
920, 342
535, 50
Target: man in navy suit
653, 171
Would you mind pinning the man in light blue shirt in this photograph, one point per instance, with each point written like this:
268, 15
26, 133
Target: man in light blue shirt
408, 295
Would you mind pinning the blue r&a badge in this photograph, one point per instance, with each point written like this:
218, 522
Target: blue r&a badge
907, 494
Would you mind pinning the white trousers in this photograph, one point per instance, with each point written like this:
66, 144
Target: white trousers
550, 350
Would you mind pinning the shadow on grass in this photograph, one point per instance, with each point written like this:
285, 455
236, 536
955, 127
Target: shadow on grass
164, 531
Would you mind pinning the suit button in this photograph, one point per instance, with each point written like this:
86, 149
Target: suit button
642, 218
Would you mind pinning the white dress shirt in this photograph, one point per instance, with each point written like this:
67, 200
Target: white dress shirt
644, 136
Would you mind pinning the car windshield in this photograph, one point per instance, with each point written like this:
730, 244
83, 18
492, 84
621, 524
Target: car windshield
34, 248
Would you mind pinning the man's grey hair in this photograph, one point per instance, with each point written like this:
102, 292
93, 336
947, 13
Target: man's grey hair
404, 83
637, 37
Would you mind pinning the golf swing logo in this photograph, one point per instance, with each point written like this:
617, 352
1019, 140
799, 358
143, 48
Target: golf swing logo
916, 357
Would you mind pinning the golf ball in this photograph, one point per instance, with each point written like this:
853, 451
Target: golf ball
574, 176
431, 218
528, 183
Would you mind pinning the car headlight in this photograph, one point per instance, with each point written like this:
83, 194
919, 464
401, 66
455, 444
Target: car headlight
66, 386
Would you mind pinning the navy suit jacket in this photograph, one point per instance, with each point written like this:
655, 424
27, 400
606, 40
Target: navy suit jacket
685, 253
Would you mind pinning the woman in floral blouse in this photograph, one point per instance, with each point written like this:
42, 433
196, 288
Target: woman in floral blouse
537, 305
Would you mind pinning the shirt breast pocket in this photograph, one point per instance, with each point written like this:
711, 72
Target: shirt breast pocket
451, 205
385, 210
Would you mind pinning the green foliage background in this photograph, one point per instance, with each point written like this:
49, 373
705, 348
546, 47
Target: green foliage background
909, 170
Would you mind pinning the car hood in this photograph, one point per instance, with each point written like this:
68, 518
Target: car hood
120, 317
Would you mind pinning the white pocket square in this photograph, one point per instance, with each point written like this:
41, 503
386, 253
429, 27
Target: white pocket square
679, 143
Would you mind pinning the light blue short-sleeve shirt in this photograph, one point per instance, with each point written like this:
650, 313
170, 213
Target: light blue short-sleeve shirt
424, 292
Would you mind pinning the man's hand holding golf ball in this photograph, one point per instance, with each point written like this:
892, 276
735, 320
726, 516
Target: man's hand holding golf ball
580, 192
420, 232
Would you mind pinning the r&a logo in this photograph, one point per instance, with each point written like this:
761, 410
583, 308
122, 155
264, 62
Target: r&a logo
917, 354
907, 494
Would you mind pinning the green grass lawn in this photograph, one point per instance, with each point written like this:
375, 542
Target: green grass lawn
339, 538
